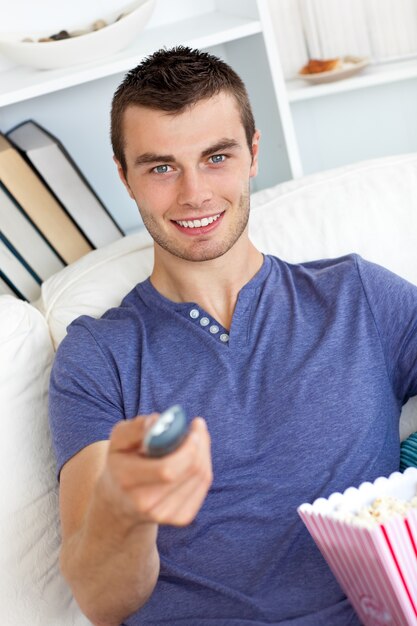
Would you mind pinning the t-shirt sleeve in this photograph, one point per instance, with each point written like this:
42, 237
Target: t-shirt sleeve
85, 399
393, 303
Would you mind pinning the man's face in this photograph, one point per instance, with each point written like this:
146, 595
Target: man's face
189, 175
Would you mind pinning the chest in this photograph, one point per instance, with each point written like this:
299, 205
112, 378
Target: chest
294, 386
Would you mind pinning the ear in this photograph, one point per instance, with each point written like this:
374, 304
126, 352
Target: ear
123, 177
255, 153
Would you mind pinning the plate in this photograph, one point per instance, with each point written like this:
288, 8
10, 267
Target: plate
351, 65
91, 46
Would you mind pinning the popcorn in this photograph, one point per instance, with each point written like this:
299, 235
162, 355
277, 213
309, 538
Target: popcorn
380, 511
369, 538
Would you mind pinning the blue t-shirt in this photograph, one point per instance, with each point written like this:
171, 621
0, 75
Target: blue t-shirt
301, 401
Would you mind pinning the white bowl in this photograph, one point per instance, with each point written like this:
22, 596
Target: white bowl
83, 48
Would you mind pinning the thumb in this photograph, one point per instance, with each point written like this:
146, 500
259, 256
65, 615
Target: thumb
198, 426
128, 434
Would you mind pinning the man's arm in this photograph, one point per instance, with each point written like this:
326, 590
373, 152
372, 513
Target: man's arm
112, 501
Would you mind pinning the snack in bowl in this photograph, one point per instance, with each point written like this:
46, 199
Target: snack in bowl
78, 43
64, 34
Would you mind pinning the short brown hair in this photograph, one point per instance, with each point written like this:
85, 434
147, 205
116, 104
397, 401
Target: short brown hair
172, 80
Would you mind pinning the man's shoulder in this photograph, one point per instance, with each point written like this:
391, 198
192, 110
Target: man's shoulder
319, 280
346, 260
116, 324
323, 267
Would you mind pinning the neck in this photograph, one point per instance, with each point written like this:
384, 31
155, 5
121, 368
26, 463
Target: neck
214, 285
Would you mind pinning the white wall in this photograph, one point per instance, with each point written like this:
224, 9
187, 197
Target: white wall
353, 126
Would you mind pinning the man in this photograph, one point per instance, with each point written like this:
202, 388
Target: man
299, 372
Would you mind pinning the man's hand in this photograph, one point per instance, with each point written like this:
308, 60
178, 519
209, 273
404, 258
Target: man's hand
167, 490
112, 500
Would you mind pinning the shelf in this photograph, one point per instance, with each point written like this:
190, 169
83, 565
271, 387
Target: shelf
22, 83
375, 74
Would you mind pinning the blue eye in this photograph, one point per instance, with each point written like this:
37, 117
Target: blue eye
218, 158
161, 169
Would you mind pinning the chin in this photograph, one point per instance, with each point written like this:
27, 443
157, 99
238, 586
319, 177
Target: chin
198, 256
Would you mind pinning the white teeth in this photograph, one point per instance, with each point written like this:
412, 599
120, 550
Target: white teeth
197, 223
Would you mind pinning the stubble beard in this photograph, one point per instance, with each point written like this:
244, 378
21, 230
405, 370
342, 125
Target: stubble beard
199, 248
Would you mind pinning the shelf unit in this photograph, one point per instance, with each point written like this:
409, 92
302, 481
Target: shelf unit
365, 116
304, 127
73, 103
22, 83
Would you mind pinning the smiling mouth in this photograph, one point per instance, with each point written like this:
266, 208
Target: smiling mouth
205, 221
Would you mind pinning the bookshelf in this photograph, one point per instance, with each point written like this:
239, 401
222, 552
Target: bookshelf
365, 116
232, 29
22, 83
304, 127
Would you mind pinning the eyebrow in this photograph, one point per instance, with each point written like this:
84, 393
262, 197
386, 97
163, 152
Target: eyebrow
153, 157
221, 146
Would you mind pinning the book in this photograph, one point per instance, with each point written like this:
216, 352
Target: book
66, 181
26, 239
5, 289
342, 28
336, 29
40, 205
288, 28
393, 28
16, 272
309, 21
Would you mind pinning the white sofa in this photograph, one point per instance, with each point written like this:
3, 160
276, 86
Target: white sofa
369, 208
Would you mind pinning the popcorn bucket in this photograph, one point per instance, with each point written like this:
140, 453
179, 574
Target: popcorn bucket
375, 563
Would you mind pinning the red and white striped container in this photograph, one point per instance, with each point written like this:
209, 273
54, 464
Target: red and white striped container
375, 566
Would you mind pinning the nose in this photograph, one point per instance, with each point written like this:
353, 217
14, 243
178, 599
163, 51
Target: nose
194, 189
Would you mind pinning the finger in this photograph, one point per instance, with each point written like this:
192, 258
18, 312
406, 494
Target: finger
134, 470
149, 498
181, 505
128, 434
198, 425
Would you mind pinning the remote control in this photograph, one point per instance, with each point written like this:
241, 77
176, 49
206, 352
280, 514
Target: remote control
166, 433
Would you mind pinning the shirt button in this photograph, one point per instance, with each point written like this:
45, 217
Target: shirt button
224, 337
204, 321
214, 329
194, 313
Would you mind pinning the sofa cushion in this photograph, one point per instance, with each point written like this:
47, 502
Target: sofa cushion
369, 208
95, 283
32, 590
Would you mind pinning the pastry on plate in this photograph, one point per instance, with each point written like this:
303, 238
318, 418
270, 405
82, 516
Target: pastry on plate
316, 66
